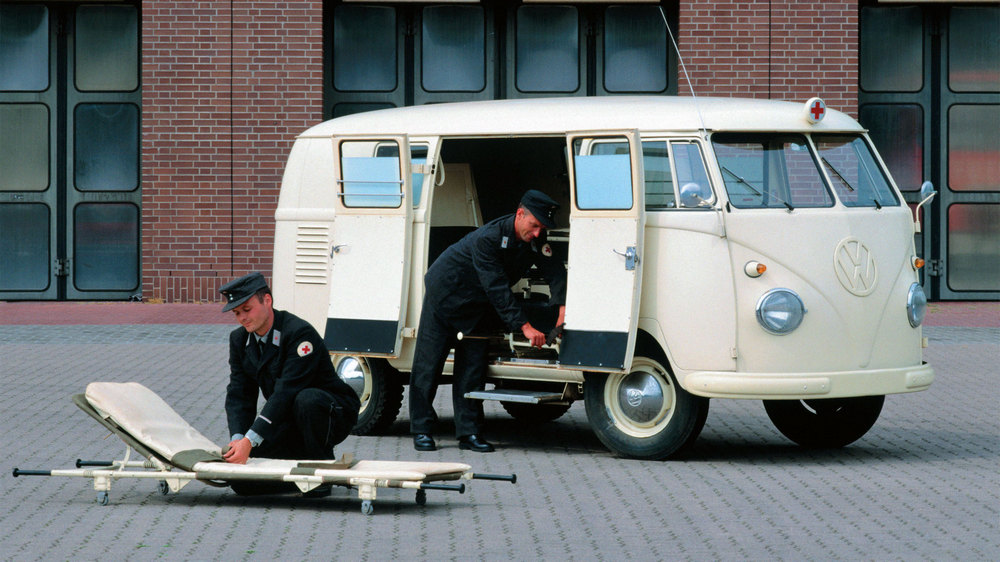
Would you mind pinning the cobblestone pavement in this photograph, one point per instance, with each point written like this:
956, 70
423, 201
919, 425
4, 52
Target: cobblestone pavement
923, 484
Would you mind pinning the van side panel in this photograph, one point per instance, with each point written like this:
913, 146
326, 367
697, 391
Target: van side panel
303, 224
688, 288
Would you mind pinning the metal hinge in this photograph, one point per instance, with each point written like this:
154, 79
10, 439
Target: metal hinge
61, 267
935, 268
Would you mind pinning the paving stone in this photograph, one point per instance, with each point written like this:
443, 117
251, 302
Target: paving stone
922, 484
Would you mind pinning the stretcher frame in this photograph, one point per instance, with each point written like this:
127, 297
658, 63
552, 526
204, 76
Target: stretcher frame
141, 419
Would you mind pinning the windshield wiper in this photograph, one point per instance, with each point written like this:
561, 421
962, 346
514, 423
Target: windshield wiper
754, 190
839, 175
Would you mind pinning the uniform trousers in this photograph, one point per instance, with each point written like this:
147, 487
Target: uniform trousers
435, 337
319, 421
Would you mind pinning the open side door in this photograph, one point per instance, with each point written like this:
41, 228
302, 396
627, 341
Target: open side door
370, 251
605, 251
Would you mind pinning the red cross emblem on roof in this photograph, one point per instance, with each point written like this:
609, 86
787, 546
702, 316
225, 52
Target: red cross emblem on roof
815, 110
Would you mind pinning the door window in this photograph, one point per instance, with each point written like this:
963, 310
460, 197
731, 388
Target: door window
24, 48
368, 179
24, 146
24, 230
603, 180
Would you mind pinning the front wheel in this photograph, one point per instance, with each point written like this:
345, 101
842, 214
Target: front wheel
644, 413
379, 387
827, 423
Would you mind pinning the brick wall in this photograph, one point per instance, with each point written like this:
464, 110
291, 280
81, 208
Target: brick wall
780, 49
227, 85
226, 88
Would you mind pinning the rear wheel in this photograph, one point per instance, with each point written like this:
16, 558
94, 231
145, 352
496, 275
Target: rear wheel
378, 385
827, 423
644, 413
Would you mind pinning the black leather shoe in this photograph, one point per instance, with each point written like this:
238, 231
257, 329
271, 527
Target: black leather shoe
474, 443
424, 442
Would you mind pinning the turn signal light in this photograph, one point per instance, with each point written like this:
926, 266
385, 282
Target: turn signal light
917, 262
754, 269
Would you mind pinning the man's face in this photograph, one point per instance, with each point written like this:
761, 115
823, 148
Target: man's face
526, 225
255, 316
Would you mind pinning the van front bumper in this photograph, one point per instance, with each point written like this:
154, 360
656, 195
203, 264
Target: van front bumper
834, 384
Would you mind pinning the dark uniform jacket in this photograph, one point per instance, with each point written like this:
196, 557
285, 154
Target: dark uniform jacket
294, 359
475, 274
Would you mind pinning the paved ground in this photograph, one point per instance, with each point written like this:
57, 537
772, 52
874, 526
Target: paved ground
923, 484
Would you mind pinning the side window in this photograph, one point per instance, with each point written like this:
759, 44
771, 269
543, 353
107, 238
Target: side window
656, 171
603, 175
692, 178
418, 155
370, 180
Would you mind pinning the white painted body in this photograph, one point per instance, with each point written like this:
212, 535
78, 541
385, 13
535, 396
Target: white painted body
693, 297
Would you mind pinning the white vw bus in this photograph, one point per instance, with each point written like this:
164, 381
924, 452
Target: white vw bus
716, 248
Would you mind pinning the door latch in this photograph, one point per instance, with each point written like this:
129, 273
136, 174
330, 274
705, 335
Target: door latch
631, 258
61, 267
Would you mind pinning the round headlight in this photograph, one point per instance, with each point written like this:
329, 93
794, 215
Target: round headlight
780, 311
916, 305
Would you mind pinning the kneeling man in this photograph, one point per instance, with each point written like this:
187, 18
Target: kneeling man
308, 408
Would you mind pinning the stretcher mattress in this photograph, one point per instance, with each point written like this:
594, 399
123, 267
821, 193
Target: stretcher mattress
149, 420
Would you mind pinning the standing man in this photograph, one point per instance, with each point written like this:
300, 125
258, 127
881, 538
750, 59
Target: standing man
466, 287
308, 408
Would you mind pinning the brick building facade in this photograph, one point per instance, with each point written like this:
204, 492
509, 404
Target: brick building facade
142, 144
228, 85
226, 88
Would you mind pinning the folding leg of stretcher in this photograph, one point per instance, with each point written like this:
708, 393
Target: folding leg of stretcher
175, 454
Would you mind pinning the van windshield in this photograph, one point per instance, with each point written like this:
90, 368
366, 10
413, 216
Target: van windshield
854, 172
770, 171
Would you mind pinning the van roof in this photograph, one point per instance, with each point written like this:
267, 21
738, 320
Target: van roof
539, 116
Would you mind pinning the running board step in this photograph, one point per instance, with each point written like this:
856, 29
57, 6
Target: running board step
511, 395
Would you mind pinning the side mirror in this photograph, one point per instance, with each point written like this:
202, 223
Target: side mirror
694, 195
926, 191
926, 194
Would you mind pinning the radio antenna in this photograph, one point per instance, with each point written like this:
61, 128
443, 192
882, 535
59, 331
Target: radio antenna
687, 77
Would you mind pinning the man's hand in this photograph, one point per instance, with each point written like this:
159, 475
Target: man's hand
239, 451
536, 338
562, 316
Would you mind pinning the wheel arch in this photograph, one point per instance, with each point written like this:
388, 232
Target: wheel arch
649, 338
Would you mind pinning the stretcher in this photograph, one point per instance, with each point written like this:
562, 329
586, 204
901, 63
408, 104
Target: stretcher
176, 453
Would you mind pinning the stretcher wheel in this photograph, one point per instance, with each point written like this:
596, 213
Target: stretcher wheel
366, 507
102, 498
164, 487
421, 497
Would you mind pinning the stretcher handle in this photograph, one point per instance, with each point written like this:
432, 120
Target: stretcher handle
512, 478
80, 463
19, 472
460, 488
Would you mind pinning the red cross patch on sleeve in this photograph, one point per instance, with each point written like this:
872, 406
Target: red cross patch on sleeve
305, 348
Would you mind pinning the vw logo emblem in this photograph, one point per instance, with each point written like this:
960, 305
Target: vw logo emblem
634, 397
854, 264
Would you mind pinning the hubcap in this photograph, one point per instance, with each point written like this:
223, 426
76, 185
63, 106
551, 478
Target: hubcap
355, 374
640, 402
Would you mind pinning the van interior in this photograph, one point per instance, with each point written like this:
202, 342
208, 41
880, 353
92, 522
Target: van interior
484, 178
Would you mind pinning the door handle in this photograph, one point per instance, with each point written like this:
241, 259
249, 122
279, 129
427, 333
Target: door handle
631, 257
338, 248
